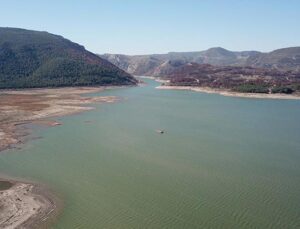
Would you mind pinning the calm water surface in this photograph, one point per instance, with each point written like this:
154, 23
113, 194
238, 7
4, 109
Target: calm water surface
223, 162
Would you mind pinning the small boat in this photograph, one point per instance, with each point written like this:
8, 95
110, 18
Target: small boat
160, 131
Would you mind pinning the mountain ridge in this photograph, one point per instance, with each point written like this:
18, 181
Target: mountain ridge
155, 64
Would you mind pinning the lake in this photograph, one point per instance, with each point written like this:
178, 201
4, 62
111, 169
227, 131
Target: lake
223, 162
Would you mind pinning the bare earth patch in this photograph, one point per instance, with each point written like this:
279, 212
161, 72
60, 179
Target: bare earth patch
26, 205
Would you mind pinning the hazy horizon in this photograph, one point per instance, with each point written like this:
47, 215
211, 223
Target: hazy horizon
155, 27
145, 54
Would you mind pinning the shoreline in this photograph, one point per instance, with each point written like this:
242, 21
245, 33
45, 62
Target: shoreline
230, 93
27, 204
20, 107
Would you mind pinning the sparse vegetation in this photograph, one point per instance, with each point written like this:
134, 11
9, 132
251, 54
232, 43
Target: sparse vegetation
239, 79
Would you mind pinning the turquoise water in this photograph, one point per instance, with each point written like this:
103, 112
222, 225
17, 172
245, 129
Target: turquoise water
223, 162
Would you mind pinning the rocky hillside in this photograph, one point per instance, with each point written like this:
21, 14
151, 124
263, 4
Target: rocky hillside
235, 78
159, 64
284, 59
40, 59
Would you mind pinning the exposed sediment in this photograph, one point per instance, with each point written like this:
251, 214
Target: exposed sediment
26, 205
18, 107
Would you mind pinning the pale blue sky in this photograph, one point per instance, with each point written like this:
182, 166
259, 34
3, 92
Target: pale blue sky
159, 26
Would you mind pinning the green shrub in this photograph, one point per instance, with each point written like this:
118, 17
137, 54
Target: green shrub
282, 89
252, 88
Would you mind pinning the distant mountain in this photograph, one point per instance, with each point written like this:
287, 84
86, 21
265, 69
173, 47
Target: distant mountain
40, 59
159, 64
285, 59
